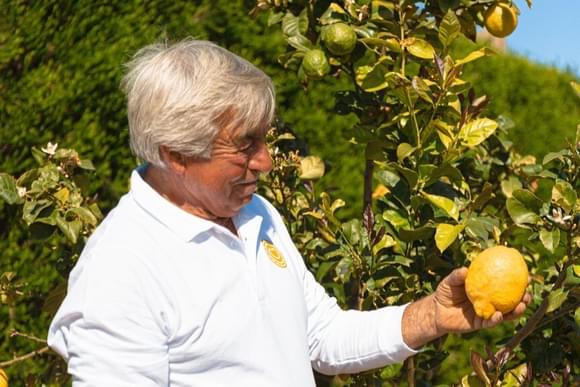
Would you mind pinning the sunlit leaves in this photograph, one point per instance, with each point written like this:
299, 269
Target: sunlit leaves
556, 299
475, 132
8, 189
449, 29
311, 167
419, 48
550, 239
444, 203
446, 234
519, 213
564, 195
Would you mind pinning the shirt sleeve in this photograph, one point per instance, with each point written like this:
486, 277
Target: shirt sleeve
346, 341
107, 328
351, 341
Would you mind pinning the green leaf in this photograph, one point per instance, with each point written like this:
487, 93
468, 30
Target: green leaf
396, 219
385, 242
70, 229
550, 239
444, 203
564, 195
334, 13
391, 371
555, 156
352, 230
445, 235
556, 298
475, 132
420, 233
275, 18
382, 10
8, 189
475, 55
445, 132
449, 29
480, 227
311, 168
373, 78
86, 164
387, 177
85, 215
510, 185
420, 48
295, 25
404, 150
519, 213
528, 199
422, 89
299, 42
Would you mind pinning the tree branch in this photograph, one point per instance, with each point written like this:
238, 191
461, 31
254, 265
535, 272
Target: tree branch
25, 357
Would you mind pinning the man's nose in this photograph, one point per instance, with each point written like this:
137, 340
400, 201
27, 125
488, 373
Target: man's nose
261, 160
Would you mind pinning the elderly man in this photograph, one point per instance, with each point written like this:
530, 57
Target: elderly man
193, 279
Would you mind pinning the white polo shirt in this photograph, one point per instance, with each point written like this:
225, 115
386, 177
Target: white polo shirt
160, 297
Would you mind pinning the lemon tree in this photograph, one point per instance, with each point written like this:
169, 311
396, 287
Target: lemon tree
443, 187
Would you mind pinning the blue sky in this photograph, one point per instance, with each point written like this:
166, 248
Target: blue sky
549, 33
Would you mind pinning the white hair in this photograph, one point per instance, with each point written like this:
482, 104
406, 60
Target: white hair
180, 96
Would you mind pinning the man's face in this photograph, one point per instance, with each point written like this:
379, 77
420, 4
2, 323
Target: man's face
222, 185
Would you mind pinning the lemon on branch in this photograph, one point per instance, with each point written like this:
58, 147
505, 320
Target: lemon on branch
500, 19
496, 280
315, 64
339, 38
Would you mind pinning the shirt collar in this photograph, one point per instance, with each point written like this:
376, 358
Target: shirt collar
185, 225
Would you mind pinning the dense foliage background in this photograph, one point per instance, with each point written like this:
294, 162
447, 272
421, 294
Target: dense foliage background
60, 67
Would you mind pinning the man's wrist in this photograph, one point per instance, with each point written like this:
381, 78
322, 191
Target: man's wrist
419, 325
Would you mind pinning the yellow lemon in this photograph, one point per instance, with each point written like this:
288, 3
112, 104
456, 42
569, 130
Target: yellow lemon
500, 19
496, 280
3, 378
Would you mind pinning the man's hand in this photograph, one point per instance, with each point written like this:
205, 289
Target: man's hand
448, 310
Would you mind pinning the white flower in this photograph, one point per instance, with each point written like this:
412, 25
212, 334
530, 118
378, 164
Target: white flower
50, 148
21, 191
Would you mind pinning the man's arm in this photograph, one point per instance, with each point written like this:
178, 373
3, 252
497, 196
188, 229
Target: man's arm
448, 310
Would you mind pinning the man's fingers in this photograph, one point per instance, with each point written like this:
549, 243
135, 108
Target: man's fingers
457, 277
495, 319
527, 298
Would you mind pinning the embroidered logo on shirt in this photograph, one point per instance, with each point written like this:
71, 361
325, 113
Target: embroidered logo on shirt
274, 254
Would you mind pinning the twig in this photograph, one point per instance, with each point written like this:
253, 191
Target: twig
30, 337
24, 357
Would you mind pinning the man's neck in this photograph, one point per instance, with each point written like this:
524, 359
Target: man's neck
164, 184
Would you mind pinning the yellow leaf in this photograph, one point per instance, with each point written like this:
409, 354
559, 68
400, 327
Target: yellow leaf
445, 235
311, 168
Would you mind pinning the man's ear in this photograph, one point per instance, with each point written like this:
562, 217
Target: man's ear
174, 161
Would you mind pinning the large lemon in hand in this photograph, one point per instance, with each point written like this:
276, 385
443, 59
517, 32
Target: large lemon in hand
500, 19
339, 38
3, 378
496, 280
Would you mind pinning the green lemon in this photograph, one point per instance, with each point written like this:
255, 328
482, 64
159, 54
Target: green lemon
339, 38
315, 64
